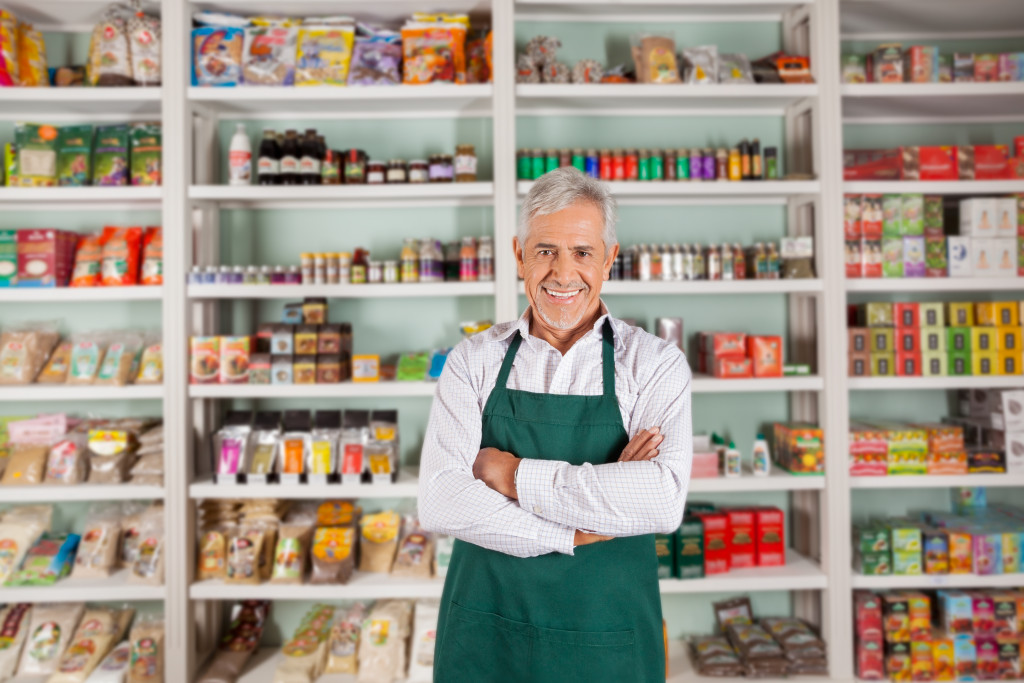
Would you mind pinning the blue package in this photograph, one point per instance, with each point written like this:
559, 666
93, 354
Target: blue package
217, 56
51, 558
437, 360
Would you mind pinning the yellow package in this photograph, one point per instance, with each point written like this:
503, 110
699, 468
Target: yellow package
324, 55
286, 22
32, 71
441, 18
8, 49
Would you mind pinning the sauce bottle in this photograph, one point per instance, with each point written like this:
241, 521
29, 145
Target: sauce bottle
360, 265
714, 263
240, 158
727, 262
739, 262
468, 264
655, 262
760, 261
698, 262
628, 259
773, 262
643, 264
431, 261
268, 166
290, 154
678, 263
452, 252
309, 162
485, 259
410, 260
688, 264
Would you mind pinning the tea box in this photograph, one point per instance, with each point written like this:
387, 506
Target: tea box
689, 547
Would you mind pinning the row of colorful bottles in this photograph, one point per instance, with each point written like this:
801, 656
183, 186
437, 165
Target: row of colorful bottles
678, 262
465, 261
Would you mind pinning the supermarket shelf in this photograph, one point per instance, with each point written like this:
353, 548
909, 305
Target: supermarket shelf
971, 382
799, 573
350, 102
910, 20
868, 102
711, 385
346, 291
694, 287
128, 103
935, 284
114, 587
708, 190
935, 481
78, 492
76, 294
406, 487
377, 11
650, 10
66, 15
938, 580
63, 392
954, 187
101, 197
777, 480
645, 99
340, 196
343, 390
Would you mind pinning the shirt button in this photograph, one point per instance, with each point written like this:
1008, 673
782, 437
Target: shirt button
536, 509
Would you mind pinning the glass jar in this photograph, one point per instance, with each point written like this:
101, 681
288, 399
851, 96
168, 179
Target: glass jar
252, 275
293, 276
333, 277
485, 259
397, 172
265, 276
375, 272
277, 277
306, 260
468, 261
670, 164
410, 257
344, 266
355, 167
391, 271
376, 173
319, 269
419, 171
465, 164
564, 158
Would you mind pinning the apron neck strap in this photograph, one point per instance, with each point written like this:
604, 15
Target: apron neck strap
607, 359
506, 364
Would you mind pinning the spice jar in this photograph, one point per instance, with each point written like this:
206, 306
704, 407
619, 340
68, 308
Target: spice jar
606, 169
636, 165
619, 165
397, 172
344, 266
376, 173
656, 165
375, 272
333, 276
722, 164
306, 260
319, 269
465, 164
441, 169
390, 271
419, 171
670, 164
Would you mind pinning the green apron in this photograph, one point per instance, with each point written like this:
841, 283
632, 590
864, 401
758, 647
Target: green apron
594, 616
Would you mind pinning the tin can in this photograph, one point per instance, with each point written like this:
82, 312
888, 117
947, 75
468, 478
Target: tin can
696, 164
593, 164
635, 161
683, 165
619, 165
644, 167
657, 167
579, 161
709, 164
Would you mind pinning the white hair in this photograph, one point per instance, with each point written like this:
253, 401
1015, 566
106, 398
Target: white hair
560, 189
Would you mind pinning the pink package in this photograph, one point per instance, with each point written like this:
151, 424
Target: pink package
45, 257
983, 609
988, 555
1008, 68
704, 465
44, 429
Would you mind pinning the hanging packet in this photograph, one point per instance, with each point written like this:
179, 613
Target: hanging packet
110, 159
120, 265
269, 55
324, 55
74, 156
37, 154
32, 71
88, 258
144, 43
153, 257
146, 153
217, 56
8, 49
110, 62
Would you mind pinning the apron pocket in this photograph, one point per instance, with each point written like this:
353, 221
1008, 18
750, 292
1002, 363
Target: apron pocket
584, 656
483, 647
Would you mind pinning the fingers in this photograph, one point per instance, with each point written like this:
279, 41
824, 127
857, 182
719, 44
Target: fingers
643, 446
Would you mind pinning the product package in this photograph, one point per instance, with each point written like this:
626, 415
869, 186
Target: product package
147, 650
47, 561
378, 541
433, 53
49, 635
269, 57
376, 58
421, 656
37, 155
98, 552
97, 633
109, 53
217, 55
146, 154
110, 155
74, 155
144, 43
324, 55
20, 529
24, 351
344, 640
88, 261
14, 626
382, 643
654, 57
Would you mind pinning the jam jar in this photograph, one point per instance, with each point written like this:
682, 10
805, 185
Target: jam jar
419, 171
376, 172
465, 164
397, 172
442, 170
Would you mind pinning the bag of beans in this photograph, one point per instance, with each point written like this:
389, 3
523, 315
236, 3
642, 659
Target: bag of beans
26, 465
56, 369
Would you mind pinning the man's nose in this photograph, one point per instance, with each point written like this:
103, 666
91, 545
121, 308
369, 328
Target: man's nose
563, 269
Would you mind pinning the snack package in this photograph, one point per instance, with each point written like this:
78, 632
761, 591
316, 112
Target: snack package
245, 547
144, 43
655, 58
290, 553
37, 155
110, 61
101, 538
88, 257
734, 68
344, 640
66, 461
26, 464
146, 153
378, 541
100, 629
217, 56
120, 361
120, 265
48, 636
151, 367
14, 625
23, 352
20, 528
333, 554
269, 57
148, 566
304, 655
32, 71
415, 551
114, 667
237, 645
111, 453
8, 49
433, 53
478, 68
376, 60
382, 643
152, 257
49, 559
147, 654
87, 352
421, 658
587, 71
110, 156
701, 64
324, 55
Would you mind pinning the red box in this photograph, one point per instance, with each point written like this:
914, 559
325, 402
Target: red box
741, 538
860, 365
870, 660
45, 257
854, 258
733, 367
867, 613
872, 164
991, 162
987, 649
1018, 146
871, 216
723, 343
871, 257
938, 163
908, 364
852, 204
771, 537
765, 354
908, 340
716, 542
906, 314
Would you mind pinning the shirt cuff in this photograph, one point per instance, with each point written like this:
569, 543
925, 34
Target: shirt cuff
534, 485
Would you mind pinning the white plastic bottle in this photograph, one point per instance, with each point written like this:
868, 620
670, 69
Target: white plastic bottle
240, 158
762, 457
733, 461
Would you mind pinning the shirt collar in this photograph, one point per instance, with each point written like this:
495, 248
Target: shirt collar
523, 327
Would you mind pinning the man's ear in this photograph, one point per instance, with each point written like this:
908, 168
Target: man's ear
610, 256
517, 249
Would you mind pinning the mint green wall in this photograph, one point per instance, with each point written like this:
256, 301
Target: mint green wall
867, 136
994, 45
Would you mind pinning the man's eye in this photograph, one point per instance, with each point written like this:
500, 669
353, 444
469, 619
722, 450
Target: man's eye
545, 252
583, 253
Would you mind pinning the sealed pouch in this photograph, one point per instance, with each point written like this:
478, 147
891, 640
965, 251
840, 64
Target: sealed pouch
26, 465
378, 541
37, 154
119, 361
23, 352
14, 625
433, 53
231, 447
148, 566
333, 554
655, 58
110, 156
87, 352
151, 366
734, 68
244, 549
382, 644
290, 553
324, 55
415, 552
98, 551
152, 257
49, 634
88, 261
32, 71
376, 60
20, 528
217, 55
49, 559
344, 640
702, 64
269, 55
144, 42
109, 55
323, 456
65, 463
8, 49
146, 152
147, 650
99, 630
114, 667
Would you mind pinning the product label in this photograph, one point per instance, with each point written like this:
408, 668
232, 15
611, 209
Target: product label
44, 643
145, 659
287, 559
322, 452
418, 175
230, 455
293, 450
465, 165
353, 462
374, 177
268, 166
310, 166
240, 164
333, 543
289, 164
12, 357
84, 359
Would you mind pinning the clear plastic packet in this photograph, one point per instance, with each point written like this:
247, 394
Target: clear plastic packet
376, 60
147, 655
293, 539
654, 56
382, 643
49, 634
110, 59
87, 351
144, 42
14, 625
701, 64
24, 350
541, 50
120, 361
217, 55
151, 365
232, 445
237, 645
324, 55
344, 640
415, 551
111, 455
32, 71
98, 553
478, 68
133, 514
269, 57
421, 656
323, 452
148, 566
20, 528
66, 462
26, 465
587, 71
734, 68
245, 547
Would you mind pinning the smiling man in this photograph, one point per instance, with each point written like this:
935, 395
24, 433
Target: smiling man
557, 446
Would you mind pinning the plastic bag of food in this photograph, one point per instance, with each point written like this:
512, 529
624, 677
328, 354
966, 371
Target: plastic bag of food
110, 60
20, 528
114, 667
111, 454
290, 553
146, 154
56, 369
131, 523
32, 71
654, 56
8, 49
24, 351
245, 547
433, 53
382, 644
734, 68
49, 559
37, 154
144, 42
148, 566
587, 71
100, 629
324, 55
151, 367
48, 636
110, 155
87, 352
66, 462
74, 155
26, 464
153, 257
701, 64
217, 56
378, 540
415, 551
14, 625
88, 258
421, 656
478, 69
147, 665
303, 657
98, 552
269, 57
119, 363
344, 640
120, 265
237, 645
376, 61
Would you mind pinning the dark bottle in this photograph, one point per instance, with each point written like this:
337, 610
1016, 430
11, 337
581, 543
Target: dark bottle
290, 155
452, 261
312, 156
268, 166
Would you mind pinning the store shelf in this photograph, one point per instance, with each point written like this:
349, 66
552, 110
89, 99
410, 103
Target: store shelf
938, 581
707, 190
407, 486
63, 392
78, 294
697, 287
341, 196
935, 284
799, 573
777, 480
98, 197
363, 586
972, 382
883, 102
376, 291
389, 11
711, 385
343, 390
651, 10
680, 670
935, 481
66, 15
952, 187
351, 102
79, 492
114, 587
643, 99
911, 20
128, 103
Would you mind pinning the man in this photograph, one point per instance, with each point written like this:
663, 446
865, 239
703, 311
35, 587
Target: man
557, 446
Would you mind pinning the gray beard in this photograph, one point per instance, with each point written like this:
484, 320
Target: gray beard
563, 323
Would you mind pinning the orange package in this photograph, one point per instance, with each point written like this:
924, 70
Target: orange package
120, 266
32, 71
87, 261
8, 49
434, 53
153, 257
766, 354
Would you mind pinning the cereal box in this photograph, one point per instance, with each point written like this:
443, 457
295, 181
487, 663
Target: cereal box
770, 530
919, 606
922, 668
896, 618
961, 552
983, 609
988, 657
943, 659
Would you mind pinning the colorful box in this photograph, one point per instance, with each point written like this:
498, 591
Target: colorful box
870, 660
892, 257
876, 314
732, 367
908, 339
765, 353
905, 538
936, 260
867, 614
934, 364
690, 549
938, 162
1009, 362
897, 661
908, 364
1006, 217
871, 257
983, 339
716, 542
860, 365
1011, 553
985, 314
932, 339
914, 256
988, 559
934, 211
991, 162
1008, 338
1009, 660
978, 217
1003, 252
923, 61
965, 657
8, 258
896, 618
958, 339
936, 550
235, 353
955, 611
906, 314
922, 668
771, 535
664, 548
874, 564
919, 607
959, 256
988, 657
204, 360
45, 257
883, 365
799, 448
906, 563
931, 314
869, 456
742, 548
854, 258
892, 215
1006, 314
882, 340
872, 538
871, 216
1005, 612
852, 226
984, 363
943, 659
912, 215
858, 340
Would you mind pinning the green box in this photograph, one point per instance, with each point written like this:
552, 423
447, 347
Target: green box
874, 564
892, 257
959, 364
906, 563
934, 225
8, 258
912, 215
664, 547
935, 258
878, 314
892, 215
958, 339
871, 539
690, 549
906, 539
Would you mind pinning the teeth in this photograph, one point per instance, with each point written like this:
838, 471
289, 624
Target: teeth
563, 295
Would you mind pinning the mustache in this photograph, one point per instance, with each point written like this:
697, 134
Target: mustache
575, 284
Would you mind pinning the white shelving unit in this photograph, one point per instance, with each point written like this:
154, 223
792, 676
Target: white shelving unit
342, 390
699, 287
48, 493
970, 382
943, 187
116, 587
76, 294
938, 481
62, 392
892, 581
375, 291
936, 284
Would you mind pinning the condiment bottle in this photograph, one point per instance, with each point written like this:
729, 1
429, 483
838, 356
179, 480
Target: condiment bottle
773, 262
485, 259
306, 260
761, 457
714, 263
739, 262
551, 160
397, 172
579, 161
708, 156
410, 258
756, 172
452, 254
666, 262
431, 261
360, 263
636, 165
619, 165
698, 262
656, 165
537, 164
465, 164
468, 266
696, 164
678, 263
735, 165
391, 271
628, 258
689, 272
682, 164
330, 169
374, 272
643, 263
771, 163
564, 158
355, 167
376, 173
333, 270
290, 158
760, 261
606, 166
309, 162
592, 163
727, 262
722, 164
655, 262
344, 266
268, 166
670, 164
319, 269
419, 171
745, 159
240, 158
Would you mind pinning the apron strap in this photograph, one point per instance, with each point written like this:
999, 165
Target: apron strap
608, 359
506, 364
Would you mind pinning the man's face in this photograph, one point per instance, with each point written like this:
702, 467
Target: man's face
563, 264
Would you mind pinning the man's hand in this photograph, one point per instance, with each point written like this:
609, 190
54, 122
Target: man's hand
643, 446
583, 538
497, 469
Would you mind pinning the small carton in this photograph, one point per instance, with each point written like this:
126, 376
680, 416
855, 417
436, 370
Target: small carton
985, 313
965, 657
931, 314
959, 256
914, 256
905, 537
883, 364
1009, 67
936, 551
716, 542
282, 369
943, 658
955, 612
937, 163
986, 67
896, 618
978, 217
1009, 660
932, 339
982, 460
8, 258
1005, 217
235, 353
282, 341
860, 365
985, 257
892, 215
988, 657
936, 259
1004, 256
920, 610
765, 353
906, 314
664, 548
871, 257
1005, 610
991, 162
1009, 338
953, 462
923, 63
892, 257
854, 258
1010, 362
870, 660
958, 363
908, 364
872, 538
988, 560
852, 226
869, 456
867, 613
770, 530
959, 314
983, 339
961, 552
690, 549
1011, 552
908, 339
958, 339
934, 364
906, 564
874, 564
984, 363
1006, 314
922, 667
897, 661
872, 216
858, 340
934, 213
877, 314
742, 548
912, 215
45, 258
883, 340
204, 360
